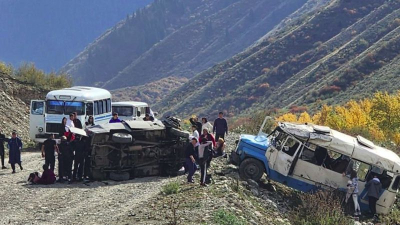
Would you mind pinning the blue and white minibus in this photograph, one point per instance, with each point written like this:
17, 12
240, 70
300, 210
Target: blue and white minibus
46, 115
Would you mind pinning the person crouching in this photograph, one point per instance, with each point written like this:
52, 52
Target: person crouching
204, 153
48, 176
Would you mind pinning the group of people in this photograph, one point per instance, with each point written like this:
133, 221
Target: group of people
73, 153
204, 146
374, 188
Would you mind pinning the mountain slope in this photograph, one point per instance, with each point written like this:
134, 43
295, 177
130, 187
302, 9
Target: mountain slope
315, 58
176, 38
15, 97
49, 33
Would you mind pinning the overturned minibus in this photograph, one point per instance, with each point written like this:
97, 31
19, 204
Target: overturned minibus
308, 157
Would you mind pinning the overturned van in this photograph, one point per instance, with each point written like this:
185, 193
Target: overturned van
136, 149
309, 157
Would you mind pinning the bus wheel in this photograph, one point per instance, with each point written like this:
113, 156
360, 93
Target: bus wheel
251, 169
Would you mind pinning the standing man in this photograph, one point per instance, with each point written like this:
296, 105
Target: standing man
48, 150
220, 127
190, 160
115, 119
79, 146
65, 159
15, 147
374, 188
77, 122
2, 140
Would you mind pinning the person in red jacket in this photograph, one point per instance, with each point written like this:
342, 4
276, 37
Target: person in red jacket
208, 136
48, 176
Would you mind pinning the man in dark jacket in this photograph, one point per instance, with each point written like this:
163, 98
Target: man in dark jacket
78, 146
48, 150
2, 140
220, 127
374, 187
190, 159
65, 159
77, 122
195, 122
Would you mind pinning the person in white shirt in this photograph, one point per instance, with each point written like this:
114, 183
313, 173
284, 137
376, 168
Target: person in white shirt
70, 121
205, 125
195, 132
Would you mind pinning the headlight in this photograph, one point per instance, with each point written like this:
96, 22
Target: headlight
40, 129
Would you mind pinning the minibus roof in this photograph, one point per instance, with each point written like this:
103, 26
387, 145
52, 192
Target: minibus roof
78, 93
130, 103
357, 148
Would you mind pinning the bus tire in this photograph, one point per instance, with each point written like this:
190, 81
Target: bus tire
122, 138
251, 169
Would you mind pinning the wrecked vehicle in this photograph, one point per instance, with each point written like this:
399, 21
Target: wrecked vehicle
308, 157
122, 151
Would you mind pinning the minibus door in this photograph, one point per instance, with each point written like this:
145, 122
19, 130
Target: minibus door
285, 156
36, 118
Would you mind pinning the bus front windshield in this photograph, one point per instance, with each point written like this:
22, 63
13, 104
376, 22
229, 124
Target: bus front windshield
54, 107
78, 107
60, 107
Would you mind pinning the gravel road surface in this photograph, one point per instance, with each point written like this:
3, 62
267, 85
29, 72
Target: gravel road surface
77, 203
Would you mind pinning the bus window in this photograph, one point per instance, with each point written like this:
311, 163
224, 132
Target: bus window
290, 146
54, 107
78, 107
396, 183
104, 106
89, 109
95, 108
123, 110
37, 108
108, 105
361, 169
100, 107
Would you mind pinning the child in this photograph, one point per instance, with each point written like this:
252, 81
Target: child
48, 176
34, 178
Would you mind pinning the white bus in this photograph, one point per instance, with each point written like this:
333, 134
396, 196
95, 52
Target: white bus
46, 115
131, 110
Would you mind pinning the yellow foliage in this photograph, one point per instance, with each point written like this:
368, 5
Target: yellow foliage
288, 117
304, 118
377, 118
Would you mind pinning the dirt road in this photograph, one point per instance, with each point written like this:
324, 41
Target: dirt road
78, 203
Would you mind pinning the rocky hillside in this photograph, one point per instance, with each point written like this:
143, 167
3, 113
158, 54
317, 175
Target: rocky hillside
15, 97
151, 93
177, 38
346, 49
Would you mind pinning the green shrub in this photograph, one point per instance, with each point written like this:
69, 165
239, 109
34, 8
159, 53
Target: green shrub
171, 188
320, 208
30, 74
223, 217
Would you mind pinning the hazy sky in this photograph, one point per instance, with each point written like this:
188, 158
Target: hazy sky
51, 32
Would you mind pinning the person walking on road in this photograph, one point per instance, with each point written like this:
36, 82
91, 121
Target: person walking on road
15, 147
374, 188
220, 127
48, 152
2, 153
